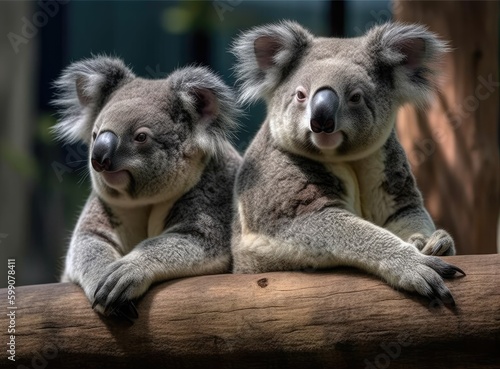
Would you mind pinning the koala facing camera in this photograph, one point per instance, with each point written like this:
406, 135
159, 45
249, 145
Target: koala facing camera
326, 182
162, 173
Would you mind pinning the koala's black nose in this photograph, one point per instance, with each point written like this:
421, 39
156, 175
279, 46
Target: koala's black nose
103, 150
324, 106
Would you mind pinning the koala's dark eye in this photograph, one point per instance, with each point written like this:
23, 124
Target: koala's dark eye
94, 135
300, 94
355, 98
141, 137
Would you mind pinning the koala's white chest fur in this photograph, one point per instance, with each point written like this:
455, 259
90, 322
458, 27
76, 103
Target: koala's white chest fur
363, 182
138, 224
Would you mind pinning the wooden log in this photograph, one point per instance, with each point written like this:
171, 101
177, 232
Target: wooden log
341, 318
453, 146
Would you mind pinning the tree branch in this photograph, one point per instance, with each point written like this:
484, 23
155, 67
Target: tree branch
340, 318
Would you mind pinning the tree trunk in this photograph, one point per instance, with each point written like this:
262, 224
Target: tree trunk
453, 147
336, 319
17, 124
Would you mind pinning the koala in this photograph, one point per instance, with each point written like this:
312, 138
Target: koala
325, 182
162, 171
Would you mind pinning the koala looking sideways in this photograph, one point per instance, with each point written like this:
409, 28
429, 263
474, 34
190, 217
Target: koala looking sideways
162, 173
325, 182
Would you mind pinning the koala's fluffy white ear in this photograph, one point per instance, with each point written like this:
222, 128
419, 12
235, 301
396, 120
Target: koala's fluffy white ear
265, 55
413, 53
82, 91
212, 104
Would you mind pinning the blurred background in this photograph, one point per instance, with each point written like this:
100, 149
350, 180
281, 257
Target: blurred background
453, 148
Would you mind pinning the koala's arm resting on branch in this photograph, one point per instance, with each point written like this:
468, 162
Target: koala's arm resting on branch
341, 318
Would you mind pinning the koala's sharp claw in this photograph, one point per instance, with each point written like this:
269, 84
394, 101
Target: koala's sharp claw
99, 286
441, 267
99, 297
433, 296
450, 271
449, 300
126, 311
442, 297
109, 310
133, 310
458, 270
129, 311
116, 299
123, 315
94, 304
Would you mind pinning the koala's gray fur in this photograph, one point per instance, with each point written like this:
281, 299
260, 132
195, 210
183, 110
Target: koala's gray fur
161, 208
310, 199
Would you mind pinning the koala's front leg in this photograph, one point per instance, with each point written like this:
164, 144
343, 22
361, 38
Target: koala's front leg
415, 226
336, 237
94, 246
89, 255
171, 255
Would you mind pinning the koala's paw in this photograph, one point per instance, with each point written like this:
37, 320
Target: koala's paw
440, 243
123, 281
424, 275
